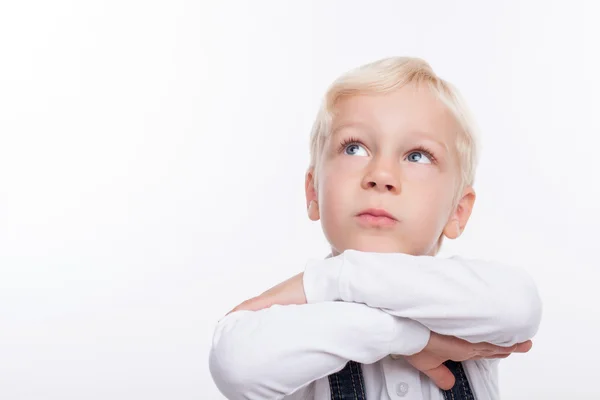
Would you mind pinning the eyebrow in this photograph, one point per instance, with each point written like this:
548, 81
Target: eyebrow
429, 137
336, 129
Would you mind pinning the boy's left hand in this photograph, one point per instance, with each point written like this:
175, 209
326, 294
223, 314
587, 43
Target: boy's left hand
287, 292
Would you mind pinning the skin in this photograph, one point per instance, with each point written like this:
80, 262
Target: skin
382, 168
373, 159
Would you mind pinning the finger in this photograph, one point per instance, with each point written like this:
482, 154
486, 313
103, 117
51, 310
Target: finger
490, 349
505, 350
491, 356
253, 304
524, 347
233, 310
249, 305
441, 376
517, 348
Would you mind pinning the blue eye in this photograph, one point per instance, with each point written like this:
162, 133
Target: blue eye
417, 156
354, 149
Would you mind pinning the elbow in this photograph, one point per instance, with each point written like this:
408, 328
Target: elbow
232, 379
522, 319
231, 366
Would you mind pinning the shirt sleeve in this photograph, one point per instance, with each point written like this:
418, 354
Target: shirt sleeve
278, 351
474, 300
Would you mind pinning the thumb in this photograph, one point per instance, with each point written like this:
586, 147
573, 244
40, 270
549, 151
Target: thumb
441, 376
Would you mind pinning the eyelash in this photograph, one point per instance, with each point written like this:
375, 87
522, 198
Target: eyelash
347, 142
427, 152
352, 140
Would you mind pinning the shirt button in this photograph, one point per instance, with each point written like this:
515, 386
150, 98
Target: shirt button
402, 389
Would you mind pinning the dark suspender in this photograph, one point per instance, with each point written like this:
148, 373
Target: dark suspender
349, 384
461, 389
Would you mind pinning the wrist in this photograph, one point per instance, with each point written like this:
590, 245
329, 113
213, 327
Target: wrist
410, 337
321, 280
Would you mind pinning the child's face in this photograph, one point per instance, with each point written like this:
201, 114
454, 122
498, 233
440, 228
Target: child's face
374, 159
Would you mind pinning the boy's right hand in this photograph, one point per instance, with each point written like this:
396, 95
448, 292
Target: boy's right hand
441, 348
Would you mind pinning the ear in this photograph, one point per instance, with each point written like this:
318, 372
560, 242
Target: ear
460, 215
312, 204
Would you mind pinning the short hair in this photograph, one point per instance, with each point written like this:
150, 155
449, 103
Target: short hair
387, 75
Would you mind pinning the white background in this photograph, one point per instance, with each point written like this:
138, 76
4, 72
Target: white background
152, 157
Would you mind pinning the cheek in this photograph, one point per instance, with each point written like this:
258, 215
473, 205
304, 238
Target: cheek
344, 163
340, 173
337, 186
421, 173
430, 194
428, 180
332, 189
331, 206
431, 209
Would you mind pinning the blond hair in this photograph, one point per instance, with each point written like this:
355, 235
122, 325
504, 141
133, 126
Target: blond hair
384, 76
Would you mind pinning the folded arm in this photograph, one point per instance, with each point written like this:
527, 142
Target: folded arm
277, 351
473, 300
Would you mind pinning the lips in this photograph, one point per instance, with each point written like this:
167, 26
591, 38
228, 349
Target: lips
374, 217
377, 212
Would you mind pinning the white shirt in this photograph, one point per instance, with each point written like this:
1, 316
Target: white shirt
366, 307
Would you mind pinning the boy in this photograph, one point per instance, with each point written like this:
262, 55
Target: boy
393, 156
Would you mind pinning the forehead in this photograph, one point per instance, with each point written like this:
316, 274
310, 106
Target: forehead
409, 109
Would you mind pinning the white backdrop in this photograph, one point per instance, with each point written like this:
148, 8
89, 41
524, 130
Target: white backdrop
152, 157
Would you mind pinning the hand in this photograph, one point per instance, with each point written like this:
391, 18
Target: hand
441, 348
287, 292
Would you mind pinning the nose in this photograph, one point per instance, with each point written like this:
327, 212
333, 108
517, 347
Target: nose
382, 176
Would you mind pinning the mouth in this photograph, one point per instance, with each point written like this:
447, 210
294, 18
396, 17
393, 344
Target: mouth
376, 218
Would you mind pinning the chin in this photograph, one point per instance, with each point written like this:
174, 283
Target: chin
376, 245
